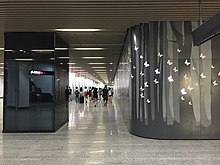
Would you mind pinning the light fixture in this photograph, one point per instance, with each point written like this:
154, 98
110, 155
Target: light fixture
146, 85
51, 58
202, 75
187, 62
156, 81
146, 64
190, 102
24, 59
94, 152
175, 69
141, 88
75, 67
100, 70
141, 73
61, 48
215, 83
193, 68
88, 48
182, 98
160, 55
170, 79
96, 63
93, 57
112, 63
183, 91
78, 30
157, 71
42, 50
99, 67
202, 56
136, 48
79, 70
71, 63
63, 57
2, 49
1, 63
169, 62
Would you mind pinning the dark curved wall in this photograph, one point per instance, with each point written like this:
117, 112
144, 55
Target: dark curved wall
172, 87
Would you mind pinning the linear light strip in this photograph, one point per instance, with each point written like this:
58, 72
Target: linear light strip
78, 30
93, 57
88, 48
96, 63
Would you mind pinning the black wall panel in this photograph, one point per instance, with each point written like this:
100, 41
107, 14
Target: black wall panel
32, 71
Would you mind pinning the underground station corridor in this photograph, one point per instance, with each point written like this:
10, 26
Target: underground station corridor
109, 82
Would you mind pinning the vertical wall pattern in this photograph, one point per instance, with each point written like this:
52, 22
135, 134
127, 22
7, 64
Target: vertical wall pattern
173, 86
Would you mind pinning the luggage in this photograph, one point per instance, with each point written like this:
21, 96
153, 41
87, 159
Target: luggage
81, 99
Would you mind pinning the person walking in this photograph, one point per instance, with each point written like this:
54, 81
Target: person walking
67, 95
110, 94
95, 96
76, 95
105, 95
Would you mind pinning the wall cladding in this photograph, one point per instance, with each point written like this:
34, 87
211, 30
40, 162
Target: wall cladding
174, 86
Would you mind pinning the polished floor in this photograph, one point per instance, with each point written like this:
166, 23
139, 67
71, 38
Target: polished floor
98, 135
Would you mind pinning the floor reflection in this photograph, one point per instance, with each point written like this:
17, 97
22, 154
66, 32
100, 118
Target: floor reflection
99, 135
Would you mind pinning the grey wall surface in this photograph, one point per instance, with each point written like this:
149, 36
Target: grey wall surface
174, 86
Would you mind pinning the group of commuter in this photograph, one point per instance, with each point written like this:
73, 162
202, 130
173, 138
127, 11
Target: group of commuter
91, 94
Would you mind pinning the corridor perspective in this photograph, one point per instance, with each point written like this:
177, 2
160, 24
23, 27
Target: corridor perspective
98, 135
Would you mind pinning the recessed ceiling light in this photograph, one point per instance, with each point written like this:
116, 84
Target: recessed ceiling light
78, 70
79, 30
88, 48
63, 57
110, 63
2, 49
101, 72
61, 48
42, 50
93, 57
75, 67
24, 59
98, 67
51, 58
71, 63
96, 63
110, 70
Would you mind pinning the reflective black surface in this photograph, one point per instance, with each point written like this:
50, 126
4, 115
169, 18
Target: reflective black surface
29, 91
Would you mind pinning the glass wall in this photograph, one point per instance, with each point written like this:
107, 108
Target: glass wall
29, 91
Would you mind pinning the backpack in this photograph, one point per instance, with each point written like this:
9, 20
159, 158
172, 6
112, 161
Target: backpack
85, 93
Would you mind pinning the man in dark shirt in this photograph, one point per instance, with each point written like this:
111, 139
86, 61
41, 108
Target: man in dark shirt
105, 95
67, 95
